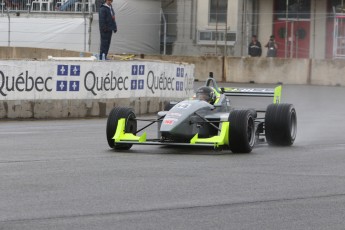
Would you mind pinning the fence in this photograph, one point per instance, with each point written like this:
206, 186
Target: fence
181, 27
138, 28
57, 6
339, 33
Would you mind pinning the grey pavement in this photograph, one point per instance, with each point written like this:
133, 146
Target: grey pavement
60, 174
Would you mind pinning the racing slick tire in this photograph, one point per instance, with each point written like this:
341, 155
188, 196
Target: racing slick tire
242, 131
280, 124
113, 118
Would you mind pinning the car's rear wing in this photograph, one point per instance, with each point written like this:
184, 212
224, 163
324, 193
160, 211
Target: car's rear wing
255, 92
251, 92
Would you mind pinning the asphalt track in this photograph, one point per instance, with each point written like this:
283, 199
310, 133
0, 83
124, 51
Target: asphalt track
62, 175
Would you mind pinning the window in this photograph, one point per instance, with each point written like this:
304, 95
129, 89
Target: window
211, 37
218, 11
296, 8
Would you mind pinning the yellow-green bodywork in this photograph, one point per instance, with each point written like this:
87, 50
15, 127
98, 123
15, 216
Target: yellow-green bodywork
217, 96
121, 135
222, 139
277, 94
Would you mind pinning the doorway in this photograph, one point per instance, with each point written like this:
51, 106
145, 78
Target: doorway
292, 28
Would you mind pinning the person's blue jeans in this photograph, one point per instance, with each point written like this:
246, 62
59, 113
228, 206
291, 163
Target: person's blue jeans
105, 43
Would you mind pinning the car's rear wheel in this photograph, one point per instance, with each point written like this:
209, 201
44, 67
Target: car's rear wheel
113, 118
280, 124
242, 131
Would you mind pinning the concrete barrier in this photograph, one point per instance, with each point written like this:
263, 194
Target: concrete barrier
43, 109
83, 88
37, 53
328, 72
233, 69
230, 69
267, 70
203, 65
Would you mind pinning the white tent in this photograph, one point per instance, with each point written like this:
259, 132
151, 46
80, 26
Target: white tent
138, 23
138, 29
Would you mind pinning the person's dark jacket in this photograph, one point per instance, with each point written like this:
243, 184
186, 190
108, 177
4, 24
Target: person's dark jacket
254, 49
106, 20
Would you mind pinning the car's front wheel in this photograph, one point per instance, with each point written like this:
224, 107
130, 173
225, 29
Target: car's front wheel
130, 127
242, 131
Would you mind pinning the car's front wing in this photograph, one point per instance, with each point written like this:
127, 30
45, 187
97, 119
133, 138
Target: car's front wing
121, 137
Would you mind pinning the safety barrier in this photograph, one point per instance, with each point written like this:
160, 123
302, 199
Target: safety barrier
48, 6
265, 70
67, 88
95, 96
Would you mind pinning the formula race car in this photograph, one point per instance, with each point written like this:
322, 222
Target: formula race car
208, 119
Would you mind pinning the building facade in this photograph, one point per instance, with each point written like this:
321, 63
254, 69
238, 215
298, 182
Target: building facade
302, 28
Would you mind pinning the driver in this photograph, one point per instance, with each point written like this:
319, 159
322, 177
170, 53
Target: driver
207, 94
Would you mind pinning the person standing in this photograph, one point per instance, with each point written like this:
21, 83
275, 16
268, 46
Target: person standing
272, 47
107, 25
254, 48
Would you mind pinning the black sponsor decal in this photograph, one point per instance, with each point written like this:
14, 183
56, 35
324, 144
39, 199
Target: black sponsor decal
161, 82
110, 82
188, 83
23, 82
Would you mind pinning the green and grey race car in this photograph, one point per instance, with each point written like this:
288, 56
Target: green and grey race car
208, 119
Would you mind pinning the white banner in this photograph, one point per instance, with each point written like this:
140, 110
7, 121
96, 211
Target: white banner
138, 22
44, 80
55, 33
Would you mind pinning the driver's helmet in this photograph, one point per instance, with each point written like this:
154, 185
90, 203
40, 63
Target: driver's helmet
206, 93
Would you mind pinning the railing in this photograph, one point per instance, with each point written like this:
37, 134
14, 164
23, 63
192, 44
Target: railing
72, 6
339, 32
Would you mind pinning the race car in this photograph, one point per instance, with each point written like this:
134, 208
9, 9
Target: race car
209, 119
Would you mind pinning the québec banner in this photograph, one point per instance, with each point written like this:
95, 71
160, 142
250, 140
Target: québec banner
47, 80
